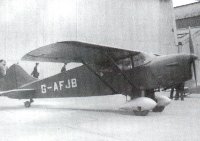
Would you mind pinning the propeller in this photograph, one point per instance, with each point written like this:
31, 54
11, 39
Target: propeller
193, 57
195, 73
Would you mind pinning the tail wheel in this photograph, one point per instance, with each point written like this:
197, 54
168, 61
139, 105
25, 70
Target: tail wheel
141, 113
27, 104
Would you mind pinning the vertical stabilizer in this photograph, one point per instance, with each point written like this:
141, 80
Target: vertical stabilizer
15, 77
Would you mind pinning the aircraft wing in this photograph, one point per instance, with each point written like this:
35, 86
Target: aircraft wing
74, 51
18, 93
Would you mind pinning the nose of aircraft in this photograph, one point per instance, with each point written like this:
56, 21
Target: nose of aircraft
188, 57
188, 63
193, 57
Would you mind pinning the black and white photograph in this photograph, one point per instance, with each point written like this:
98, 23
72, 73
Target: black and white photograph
99, 70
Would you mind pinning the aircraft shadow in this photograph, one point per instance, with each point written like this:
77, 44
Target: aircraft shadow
115, 111
102, 111
49, 107
2, 108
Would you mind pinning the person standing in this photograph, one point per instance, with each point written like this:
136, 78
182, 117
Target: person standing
64, 68
180, 92
3, 68
172, 93
35, 72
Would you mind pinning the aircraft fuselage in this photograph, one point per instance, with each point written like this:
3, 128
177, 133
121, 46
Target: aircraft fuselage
161, 72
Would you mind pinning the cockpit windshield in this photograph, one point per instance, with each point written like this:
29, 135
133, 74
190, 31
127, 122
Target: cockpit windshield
133, 61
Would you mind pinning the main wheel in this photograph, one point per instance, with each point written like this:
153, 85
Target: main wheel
141, 113
158, 109
27, 104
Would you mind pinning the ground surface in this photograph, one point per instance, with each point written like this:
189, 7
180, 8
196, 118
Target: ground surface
97, 119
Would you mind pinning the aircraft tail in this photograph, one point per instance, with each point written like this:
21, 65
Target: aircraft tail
16, 77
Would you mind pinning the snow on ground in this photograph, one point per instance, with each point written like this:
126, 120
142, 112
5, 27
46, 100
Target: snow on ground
97, 119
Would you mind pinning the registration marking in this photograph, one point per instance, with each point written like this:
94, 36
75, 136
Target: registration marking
59, 85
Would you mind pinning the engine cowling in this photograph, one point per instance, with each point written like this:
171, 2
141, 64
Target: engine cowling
3, 68
139, 104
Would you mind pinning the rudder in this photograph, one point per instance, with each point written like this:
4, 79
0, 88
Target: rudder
16, 77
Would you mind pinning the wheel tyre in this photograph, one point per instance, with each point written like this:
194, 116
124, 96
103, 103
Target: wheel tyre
141, 113
27, 104
158, 109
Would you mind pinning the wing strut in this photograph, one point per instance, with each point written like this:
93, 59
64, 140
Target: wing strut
99, 76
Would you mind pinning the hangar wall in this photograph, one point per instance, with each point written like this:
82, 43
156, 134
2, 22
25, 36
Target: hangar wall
145, 25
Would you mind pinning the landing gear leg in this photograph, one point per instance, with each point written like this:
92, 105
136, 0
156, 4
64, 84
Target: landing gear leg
31, 100
27, 104
135, 93
150, 94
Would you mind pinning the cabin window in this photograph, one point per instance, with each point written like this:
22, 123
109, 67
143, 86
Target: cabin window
138, 60
131, 62
125, 64
128, 63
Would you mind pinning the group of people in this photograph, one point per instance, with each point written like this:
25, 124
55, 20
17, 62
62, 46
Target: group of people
179, 92
36, 74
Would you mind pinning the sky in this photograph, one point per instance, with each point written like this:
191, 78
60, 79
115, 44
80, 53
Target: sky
29, 24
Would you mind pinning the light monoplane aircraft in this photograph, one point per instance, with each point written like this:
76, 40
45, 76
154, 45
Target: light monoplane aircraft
105, 71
